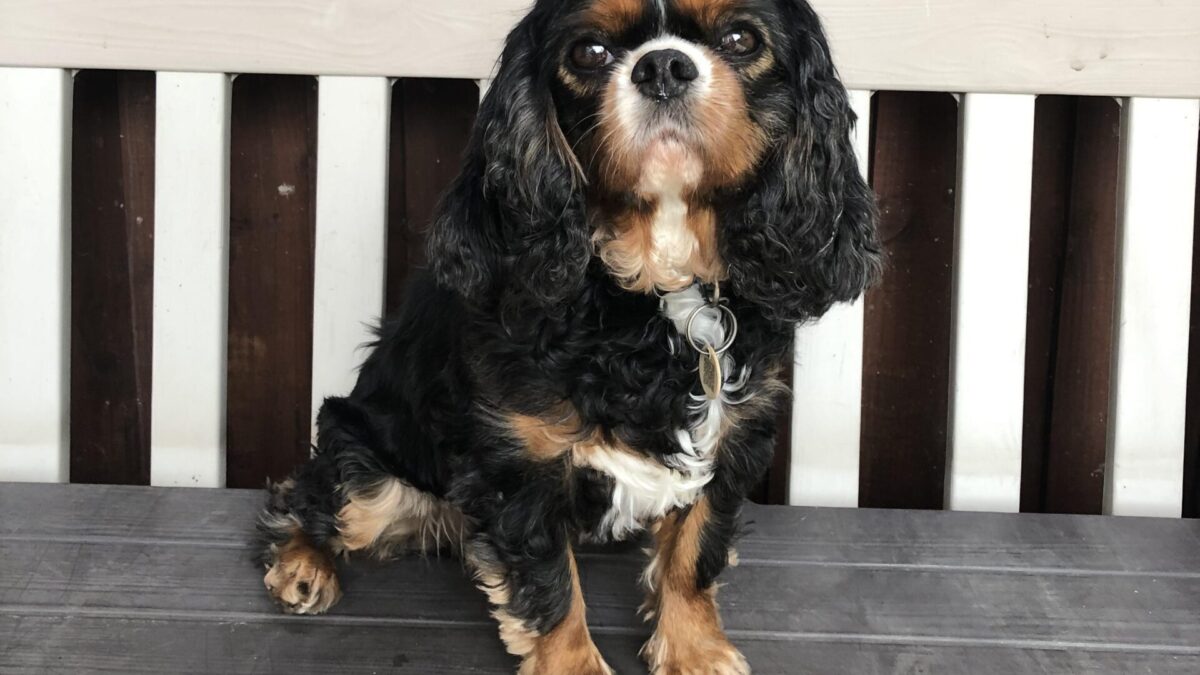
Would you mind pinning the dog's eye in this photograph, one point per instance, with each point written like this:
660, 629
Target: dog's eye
590, 56
739, 41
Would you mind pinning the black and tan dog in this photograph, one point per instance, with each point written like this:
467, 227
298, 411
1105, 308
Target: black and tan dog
655, 193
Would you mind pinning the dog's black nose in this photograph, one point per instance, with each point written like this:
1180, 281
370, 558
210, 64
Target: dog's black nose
664, 74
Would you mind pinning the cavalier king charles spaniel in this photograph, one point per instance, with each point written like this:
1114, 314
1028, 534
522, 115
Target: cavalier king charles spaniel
655, 193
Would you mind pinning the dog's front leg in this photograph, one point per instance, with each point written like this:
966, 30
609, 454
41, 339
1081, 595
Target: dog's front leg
691, 546
522, 559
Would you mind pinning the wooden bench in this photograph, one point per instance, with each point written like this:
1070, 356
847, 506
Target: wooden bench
160, 580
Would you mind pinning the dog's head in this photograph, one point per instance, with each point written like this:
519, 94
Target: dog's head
678, 141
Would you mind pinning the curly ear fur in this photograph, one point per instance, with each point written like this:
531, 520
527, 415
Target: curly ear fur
803, 237
514, 220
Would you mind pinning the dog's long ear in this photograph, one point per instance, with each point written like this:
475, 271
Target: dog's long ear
514, 219
804, 236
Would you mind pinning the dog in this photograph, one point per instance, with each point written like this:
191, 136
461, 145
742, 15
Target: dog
655, 193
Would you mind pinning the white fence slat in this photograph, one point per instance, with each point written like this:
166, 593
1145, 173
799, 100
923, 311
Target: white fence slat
191, 274
351, 236
35, 305
1144, 467
827, 385
991, 276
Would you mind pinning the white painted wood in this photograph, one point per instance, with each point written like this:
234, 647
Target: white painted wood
991, 276
1113, 47
191, 271
827, 385
35, 304
351, 236
1144, 467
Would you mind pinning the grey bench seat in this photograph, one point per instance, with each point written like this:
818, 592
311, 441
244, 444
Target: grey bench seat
152, 580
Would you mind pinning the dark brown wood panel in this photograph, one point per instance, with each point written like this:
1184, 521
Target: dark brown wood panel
1191, 472
906, 356
271, 228
112, 276
1073, 258
431, 123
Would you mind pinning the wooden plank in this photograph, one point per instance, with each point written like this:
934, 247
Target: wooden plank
1030, 544
45, 643
906, 352
1145, 449
827, 384
112, 276
35, 133
1071, 298
432, 121
1191, 472
991, 273
879, 588
271, 224
1098, 47
351, 228
191, 244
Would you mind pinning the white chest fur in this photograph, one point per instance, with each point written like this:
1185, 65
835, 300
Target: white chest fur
645, 488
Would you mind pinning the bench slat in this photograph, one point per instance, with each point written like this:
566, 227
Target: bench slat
1144, 467
816, 588
351, 228
35, 148
121, 645
884, 537
191, 274
991, 275
1159, 613
827, 384
1091, 47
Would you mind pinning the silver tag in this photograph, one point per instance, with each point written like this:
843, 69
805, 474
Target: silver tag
711, 378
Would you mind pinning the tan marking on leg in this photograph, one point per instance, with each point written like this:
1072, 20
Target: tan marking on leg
566, 648
393, 514
688, 639
302, 578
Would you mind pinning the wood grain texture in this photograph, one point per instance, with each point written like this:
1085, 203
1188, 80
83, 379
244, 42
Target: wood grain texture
112, 276
1113, 47
881, 591
1071, 299
431, 124
907, 324
272, 192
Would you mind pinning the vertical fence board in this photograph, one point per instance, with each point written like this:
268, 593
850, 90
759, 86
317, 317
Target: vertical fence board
112, 275
351, 234
1071, 304
1074, 481
432, 122
35, 133
1050, 202
991, 272
826, 426
191, 225
1191, 473
906, 349
271, 221
1145, 450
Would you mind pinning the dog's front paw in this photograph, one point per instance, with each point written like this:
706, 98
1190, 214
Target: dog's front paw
302, 578
698, 655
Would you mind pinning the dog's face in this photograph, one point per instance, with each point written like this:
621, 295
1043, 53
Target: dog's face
675, 140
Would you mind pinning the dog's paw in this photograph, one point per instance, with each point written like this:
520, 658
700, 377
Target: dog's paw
302, 578
713, 655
